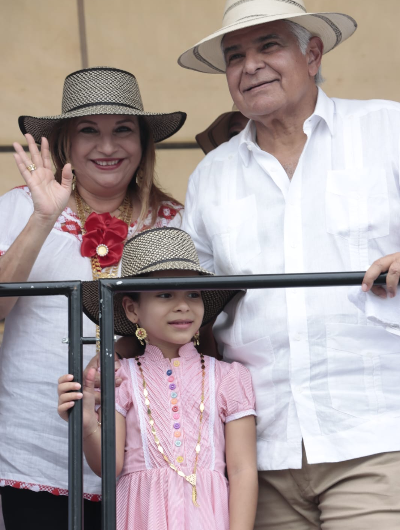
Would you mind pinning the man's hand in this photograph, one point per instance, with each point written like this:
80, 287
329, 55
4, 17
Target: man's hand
389, 264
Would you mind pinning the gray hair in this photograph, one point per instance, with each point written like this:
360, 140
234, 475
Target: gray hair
303, 37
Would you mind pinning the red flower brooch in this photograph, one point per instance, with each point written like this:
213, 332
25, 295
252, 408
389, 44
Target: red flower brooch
104, 238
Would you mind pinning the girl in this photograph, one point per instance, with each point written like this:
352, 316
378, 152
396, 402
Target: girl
183, 418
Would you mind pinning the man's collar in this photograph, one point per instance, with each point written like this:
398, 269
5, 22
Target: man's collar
247, 142
324, 109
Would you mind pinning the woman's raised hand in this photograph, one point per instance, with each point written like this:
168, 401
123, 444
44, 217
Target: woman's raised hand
49, 197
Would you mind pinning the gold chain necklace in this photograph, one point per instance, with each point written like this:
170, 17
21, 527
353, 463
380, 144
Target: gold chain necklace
190, 478
97, 272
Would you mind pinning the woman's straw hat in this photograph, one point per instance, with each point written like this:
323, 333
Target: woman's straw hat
207, 56
102, 90
154, 250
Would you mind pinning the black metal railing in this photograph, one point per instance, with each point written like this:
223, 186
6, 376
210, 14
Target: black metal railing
107, 288
73, 291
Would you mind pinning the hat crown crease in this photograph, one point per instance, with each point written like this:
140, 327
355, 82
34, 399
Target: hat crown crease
101, 87
237, 9
152, 248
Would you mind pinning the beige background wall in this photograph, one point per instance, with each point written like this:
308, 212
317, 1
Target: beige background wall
41, 45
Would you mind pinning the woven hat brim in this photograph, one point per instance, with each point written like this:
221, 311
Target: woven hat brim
207, 56
215, 134
214, 302
163, 125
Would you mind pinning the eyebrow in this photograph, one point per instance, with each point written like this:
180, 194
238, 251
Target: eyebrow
258, 40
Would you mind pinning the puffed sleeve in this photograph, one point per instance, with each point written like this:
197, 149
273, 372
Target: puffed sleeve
123, 393
235, 398
16, 207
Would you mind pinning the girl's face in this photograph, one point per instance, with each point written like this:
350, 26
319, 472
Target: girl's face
105, 151
170, 318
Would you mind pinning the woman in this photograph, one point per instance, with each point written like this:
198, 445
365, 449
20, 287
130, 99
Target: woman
66, 226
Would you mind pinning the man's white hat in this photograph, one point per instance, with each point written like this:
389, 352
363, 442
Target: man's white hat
207, 56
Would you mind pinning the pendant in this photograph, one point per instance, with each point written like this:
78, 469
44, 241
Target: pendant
192, 480
102, 250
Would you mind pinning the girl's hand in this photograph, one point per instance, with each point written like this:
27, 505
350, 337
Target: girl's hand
68, 393
49, 197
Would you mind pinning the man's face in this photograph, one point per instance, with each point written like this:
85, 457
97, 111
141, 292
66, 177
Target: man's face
266, 72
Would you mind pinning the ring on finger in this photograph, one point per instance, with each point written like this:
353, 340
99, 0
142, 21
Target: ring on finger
31, 167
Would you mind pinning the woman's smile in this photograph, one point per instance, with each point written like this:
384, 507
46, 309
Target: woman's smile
107, 164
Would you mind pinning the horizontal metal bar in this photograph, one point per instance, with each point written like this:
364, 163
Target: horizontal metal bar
38, 288
257, 281
88, 340
177, 145
166, 146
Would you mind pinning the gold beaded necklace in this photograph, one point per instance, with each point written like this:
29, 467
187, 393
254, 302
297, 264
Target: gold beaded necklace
190, 478
97, 272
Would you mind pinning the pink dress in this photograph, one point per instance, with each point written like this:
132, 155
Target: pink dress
150, 495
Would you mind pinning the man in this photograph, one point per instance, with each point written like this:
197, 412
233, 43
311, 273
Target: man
310, 185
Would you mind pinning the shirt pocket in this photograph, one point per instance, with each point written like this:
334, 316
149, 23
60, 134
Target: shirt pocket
357, 204
363, 369
233, 231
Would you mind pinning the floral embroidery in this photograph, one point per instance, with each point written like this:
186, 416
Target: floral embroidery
166, 212
49, 489
69, 223
72, 227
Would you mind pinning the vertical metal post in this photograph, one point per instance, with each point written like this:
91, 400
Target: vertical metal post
75, 446
108, 470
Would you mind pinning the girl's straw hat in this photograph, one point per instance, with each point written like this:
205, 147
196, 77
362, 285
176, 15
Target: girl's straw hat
102, 90
207, 56
157, 249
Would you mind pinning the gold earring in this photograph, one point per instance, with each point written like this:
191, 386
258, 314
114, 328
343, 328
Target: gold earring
196, 339
141, 334
139, 177
73, 180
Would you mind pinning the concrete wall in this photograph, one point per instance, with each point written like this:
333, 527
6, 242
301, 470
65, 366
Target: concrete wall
41, 45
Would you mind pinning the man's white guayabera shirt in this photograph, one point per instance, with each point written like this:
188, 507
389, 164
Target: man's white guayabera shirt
320, 372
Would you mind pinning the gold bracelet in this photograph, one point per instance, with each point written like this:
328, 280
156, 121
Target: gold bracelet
96, 429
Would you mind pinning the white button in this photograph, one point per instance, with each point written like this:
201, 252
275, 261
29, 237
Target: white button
230, 157
296, 337
298, 389
249, 147
293, 244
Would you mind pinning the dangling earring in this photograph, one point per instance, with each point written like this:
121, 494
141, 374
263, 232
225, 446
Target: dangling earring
196, 339
73, 180
139, 177
141, 334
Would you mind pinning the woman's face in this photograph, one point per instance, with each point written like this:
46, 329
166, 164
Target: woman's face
105, 152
